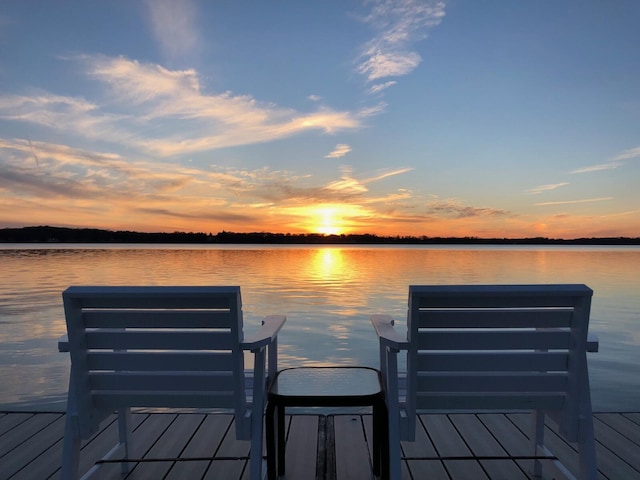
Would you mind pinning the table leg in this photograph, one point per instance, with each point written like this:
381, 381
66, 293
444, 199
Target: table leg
380, 440
281, 439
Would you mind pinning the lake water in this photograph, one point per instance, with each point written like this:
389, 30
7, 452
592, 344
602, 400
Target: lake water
327, 293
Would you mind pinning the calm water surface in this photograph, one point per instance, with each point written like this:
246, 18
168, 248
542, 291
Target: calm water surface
327, 293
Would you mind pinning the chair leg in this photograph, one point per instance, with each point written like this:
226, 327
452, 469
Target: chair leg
124, 433
271, 441
395, 454
587, 450
71, 444
537, 440
255, 459
393, 410
70, 449
257, 415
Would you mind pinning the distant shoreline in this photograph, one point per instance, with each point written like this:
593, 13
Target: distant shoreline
47, 234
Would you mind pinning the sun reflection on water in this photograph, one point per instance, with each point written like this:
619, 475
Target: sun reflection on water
327, 293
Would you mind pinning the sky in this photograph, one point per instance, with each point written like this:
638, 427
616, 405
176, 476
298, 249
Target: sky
402, 117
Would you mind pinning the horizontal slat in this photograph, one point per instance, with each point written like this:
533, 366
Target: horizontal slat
483, 401
161, 340
492, 361
168, 399
154, 296
182, 318
161, 361
492, 340
163, 381
501, 296
495, 318
488, 382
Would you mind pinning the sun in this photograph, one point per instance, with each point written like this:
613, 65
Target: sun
327, 222
329, 218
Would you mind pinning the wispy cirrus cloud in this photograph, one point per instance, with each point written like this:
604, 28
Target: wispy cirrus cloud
165, 112
545, 188
340, 151
627, 155
399, 24
380, 87
569, 202
615, 162
597, 168
387, 173
173, 25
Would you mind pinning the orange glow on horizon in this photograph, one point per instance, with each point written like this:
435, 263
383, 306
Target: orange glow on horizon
330, 219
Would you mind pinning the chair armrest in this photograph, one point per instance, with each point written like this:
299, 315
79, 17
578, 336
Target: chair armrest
271, 325
63, 343
387, 334
593, 343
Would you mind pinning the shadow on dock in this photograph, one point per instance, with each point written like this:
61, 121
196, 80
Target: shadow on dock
325, 447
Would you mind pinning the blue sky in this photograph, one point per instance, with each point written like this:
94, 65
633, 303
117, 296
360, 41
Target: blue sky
462, 118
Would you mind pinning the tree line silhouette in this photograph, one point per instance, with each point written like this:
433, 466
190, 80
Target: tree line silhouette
47, 234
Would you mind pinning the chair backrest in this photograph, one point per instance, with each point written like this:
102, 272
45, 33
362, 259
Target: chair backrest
498, 347
154, 347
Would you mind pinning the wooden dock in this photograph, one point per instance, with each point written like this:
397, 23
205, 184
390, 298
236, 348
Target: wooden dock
332, 447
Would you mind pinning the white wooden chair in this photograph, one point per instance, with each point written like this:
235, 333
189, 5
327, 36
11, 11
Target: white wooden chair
493, 347
168, 347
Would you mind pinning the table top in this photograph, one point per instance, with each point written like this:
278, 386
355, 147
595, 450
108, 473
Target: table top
326, 382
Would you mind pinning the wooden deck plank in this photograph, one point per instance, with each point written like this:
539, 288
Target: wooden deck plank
207, 439
39, 446
42, 466
147, 470
431, 469
622, 424
623, 448
188, 469
169, 444
565, 452
231, 446
422, 447
175, 438
94, 448
476, 436
503, 470
449, 443
444, 436
367, 422
227, 470
612, 466
352, 456
31, 448
98, 445
149, 431
558, 446
505, 432
302, 446
8, 422
633, 416
465, 469
29, 428
482, 443
145, 436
